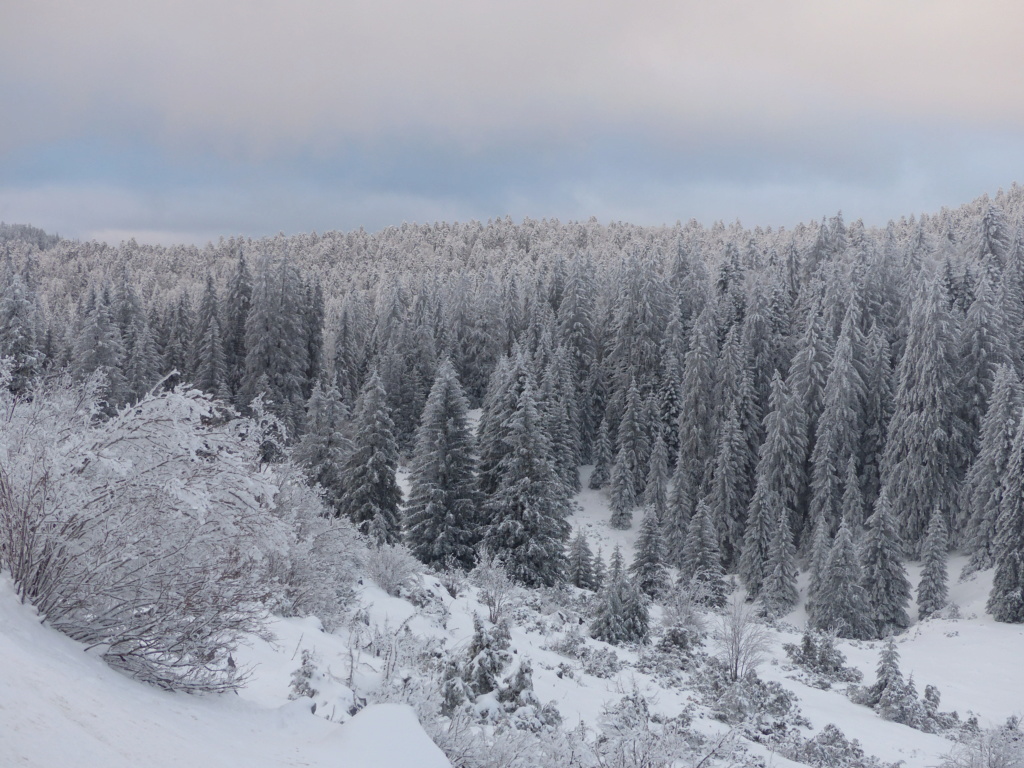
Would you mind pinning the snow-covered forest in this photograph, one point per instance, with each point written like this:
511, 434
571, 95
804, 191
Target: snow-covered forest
811, 435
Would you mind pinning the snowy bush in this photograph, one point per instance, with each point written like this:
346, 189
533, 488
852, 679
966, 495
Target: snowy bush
829, 748
497, 590
143, 536
741, 640
1001, 747
818, 655
766, 710
393, 568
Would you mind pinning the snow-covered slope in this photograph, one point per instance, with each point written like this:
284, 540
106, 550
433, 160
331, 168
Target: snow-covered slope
61, 707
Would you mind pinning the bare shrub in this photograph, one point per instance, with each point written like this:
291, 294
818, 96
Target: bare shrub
393, 568
1001, 747
497, 590
742, 640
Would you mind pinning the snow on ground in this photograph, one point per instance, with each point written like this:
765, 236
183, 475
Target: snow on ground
60, 706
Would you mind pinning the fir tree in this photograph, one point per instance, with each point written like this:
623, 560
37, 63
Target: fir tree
627, 472
236, 313
621, 615
526, 513
209, 364
701, 557
20, 335
648, 566
779, 472
488, 656
143, 367
885, 578
925, 453
655, 492
932, 590
581, 563
841, 603
603, 458
370, 495
878, 397
1006, 600
98, 349
983, 486
726, 500
779, 593
440, 517
888, 677
324, 447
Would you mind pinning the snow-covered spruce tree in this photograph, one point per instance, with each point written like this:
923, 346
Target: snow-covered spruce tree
726, 498
210, 369
984, 346
526, 514
983, 487
778, 480
888, 677
561, 416
98, 349
656, 490
603, 458
885, 578
925, 454
206, 312
779, 591
370, 496
648, 566
932, 590
702, 558
621, 615
878, 396
1006, 600
20, 332
323, 448
838, 435
488, 655
580, 569
852, 505
627, 476
235, 314
840, 605
441, 515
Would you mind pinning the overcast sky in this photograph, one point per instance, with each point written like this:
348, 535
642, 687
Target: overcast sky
180, 120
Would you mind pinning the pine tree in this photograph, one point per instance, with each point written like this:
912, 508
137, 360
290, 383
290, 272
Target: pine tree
627, 471
701, 557
603, 458
983, 486
838, 434
236, 313
932, 591
370, 495
655, 492
885, 578
779, 472
648, 566
580, 567
925, 454
527, 512
621, 615
1006, 600
323, 449
779, 590
841, 603
441, 515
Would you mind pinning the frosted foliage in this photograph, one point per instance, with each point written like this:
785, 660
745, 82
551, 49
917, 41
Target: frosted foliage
145, 535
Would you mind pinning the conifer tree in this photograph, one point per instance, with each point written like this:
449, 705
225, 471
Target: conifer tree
726, 500
621, 615
370, 495
209, 364
701, 557
841, 603
878, 396
600, 571
488, 656
603, 458
527, 512
852, 507
983, 485
983, 348
628, 471
925, 454
561, 416
932, 590
885, 578
98, 348
236, 313
324, 447
20, 335
838, 434
441, 515
581, 563
206, 315
780, 468
648, 566
888, 677
143, 367
656, 490
779, 590
1006, 600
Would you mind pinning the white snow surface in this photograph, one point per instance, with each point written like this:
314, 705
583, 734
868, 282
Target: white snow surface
62, 707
